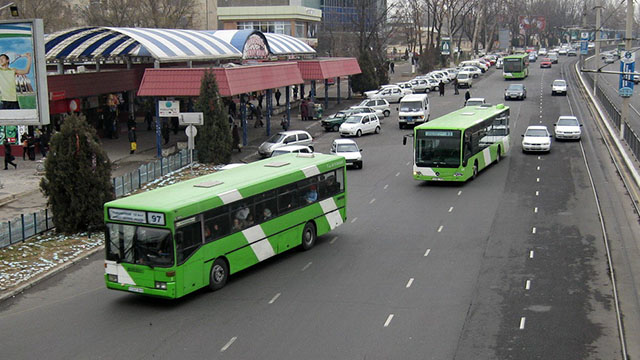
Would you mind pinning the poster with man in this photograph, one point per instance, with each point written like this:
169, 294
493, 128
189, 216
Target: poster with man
23, 86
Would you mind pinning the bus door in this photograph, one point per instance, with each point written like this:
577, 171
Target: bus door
188, 241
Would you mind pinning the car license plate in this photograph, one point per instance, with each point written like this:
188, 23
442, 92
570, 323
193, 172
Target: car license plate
136, 290
514, 96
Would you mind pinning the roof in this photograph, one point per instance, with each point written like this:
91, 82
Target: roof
277, 44
464, 117
320, 69
413, 97
231, 81
246, 180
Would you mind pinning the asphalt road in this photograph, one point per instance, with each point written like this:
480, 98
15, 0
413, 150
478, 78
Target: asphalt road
509, 266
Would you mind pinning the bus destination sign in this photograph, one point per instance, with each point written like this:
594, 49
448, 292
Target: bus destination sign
436, 133
137, 216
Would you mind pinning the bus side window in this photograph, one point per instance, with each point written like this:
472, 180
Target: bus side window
216, 227
266, 209
287, 198
188, 239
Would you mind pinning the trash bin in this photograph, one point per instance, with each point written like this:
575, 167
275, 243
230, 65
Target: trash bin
317, 110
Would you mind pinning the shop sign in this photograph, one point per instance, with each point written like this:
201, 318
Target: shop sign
255, 48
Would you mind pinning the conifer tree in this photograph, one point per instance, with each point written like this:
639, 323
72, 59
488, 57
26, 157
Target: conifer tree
77, 180
213, 140
367, 80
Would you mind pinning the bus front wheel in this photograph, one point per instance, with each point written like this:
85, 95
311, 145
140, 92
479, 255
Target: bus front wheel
498, 155
475, 171
219, 274
308, 236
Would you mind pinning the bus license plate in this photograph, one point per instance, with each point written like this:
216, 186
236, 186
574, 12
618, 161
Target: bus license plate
136, 290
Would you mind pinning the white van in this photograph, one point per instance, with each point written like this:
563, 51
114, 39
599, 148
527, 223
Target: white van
413, 109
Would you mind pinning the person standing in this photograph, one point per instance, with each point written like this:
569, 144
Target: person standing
260, 97
455, 86
235, 134
311, 109
303, 109
295, 92
467, 96
284, 123
25, 145
441, 87
278, 94
258, 115
148, 118
133, 144
8, 158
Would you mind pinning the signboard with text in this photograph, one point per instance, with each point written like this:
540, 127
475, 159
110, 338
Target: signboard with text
627, 66
445, 46
168, 108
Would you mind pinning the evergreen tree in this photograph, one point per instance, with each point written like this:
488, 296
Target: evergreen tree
213, 141
77, 180
367, 79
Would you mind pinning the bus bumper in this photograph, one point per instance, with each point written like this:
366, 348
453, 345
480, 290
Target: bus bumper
168, 293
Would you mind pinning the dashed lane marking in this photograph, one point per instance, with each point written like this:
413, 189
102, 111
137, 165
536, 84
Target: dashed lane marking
306, 266
531, 254
427, 252
533, 231
226, 346
409, 283
389, 318
372, 201
440, 228
274, 298
451, 209
354, 220
333, 240
522, 321
527, 285
386, 186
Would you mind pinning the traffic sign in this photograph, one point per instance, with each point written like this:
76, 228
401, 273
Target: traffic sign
445, 46
168, 108
584, 43
627, 67
195, 118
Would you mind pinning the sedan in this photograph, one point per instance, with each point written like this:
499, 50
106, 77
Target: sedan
559, 86
568, 127
545, 63
536, 138
367, 110
515, 91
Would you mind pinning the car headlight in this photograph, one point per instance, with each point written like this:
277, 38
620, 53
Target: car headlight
161, 285
113, 278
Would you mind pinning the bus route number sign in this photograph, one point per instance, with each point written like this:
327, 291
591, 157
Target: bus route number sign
437, 133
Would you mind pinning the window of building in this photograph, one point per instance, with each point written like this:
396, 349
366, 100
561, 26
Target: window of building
299, 29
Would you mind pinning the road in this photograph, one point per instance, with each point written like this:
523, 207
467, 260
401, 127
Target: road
509, 266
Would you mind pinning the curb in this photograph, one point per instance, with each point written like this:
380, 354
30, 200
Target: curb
49, 274
13, 197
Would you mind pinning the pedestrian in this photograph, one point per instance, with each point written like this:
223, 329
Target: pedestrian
233, 109
44, 144
295, 92
258, 116
441, 87
311, 110
175, 125
392, 66
303, 109
8, 158
455, 86
235, 134
166, 132
284, 123
25, 145
278, 94
148, 118
260, 97
467, 96
133, 144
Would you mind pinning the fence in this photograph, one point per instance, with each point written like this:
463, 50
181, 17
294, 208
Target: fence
26, 226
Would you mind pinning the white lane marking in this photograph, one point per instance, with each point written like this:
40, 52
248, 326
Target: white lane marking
540, 121
372, 201
459, 192
274, 298
537, 193
427, 252
522, 320
307, 266
531, 254
451, 209
538, 168
539, 157
440, 228
310, 126
537, 179
533, 231
535, 210
527, 286
226, 346
409, 283
386, 186
397, 174
408, 163
333, 240
386, 323
354, 220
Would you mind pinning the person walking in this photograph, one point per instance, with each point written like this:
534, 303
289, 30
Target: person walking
303, 109
148, 118
392, 67
131, 132
295, 92
441, 88
25, 145
467, 96
278, 94
284, 123
260, 98
258, 115
235, 134
8, 158
455, 86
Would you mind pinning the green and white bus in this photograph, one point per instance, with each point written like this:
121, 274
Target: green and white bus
171, 241
456, 146
515, 66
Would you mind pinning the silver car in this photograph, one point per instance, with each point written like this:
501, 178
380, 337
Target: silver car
284, 138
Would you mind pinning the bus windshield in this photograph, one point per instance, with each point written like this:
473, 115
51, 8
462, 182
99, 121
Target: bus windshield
139, 245
438, 148
512, 65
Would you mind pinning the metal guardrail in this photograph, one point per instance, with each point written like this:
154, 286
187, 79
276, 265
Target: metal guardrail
28, 225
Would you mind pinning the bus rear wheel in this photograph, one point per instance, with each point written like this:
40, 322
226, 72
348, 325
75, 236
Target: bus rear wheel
219, 274
308, 236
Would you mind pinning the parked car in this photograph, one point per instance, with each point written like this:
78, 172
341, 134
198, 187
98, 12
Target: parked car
378, 104
515, 91
291, 149
465, 79
474, 71
568, 127
536, 138
358, 124
391, 94
475, 102
348, 149
420, 85
284, 138
333, 122
545, 63
559, 86
406, 87
373, 92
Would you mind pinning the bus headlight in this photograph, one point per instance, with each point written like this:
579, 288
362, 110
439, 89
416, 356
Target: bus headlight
161, 285
113, 278
417, 173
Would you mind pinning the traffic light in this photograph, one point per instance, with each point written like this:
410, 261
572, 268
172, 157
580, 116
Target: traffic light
14, 11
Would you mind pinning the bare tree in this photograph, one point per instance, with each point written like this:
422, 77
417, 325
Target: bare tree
55, 14
145, 13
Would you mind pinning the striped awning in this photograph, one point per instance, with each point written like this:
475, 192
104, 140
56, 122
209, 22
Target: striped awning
278, 44
164, 45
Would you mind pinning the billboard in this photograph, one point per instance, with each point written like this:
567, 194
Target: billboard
23, 79
532, 22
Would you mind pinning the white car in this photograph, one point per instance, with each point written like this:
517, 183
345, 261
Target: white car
292, 149
420, 85
563, 51
536, 138
439, 76
542, 52
359, 124
348, 149
283, 138
568, 127
406, 87
465, 79
474, 71
559, 86
391, 94
367, 110
377, 104
475, 102
433, 84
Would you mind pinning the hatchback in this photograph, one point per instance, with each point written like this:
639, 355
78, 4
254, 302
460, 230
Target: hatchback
559, 86
348, 149
283, 138
359, 124
296, 149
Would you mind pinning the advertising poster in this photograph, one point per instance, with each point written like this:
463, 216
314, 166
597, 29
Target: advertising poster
21, 74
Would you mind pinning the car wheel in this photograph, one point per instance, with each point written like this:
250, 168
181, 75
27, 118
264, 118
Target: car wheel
218, 275
475, 171
336, 128
358, 133
360, 165
311, 148
308, 236
386, 113
377, 130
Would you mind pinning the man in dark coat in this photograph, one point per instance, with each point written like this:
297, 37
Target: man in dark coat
441, 88
278, 94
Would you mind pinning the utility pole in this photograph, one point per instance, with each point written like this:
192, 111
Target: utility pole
627, 45
597, 57
584, 28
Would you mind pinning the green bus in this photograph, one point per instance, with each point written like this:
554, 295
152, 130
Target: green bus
456, 146
171, 241
515, 66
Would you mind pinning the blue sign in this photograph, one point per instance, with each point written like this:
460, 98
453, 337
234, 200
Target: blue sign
627, 67
584, 43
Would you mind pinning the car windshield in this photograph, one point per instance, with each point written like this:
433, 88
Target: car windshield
340, 114
276, 138
568, 122
438, 148
139, 245
411, 106
536, 133
515, 87
347, 148
462, 76
353, 120
362, 110
559, 83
